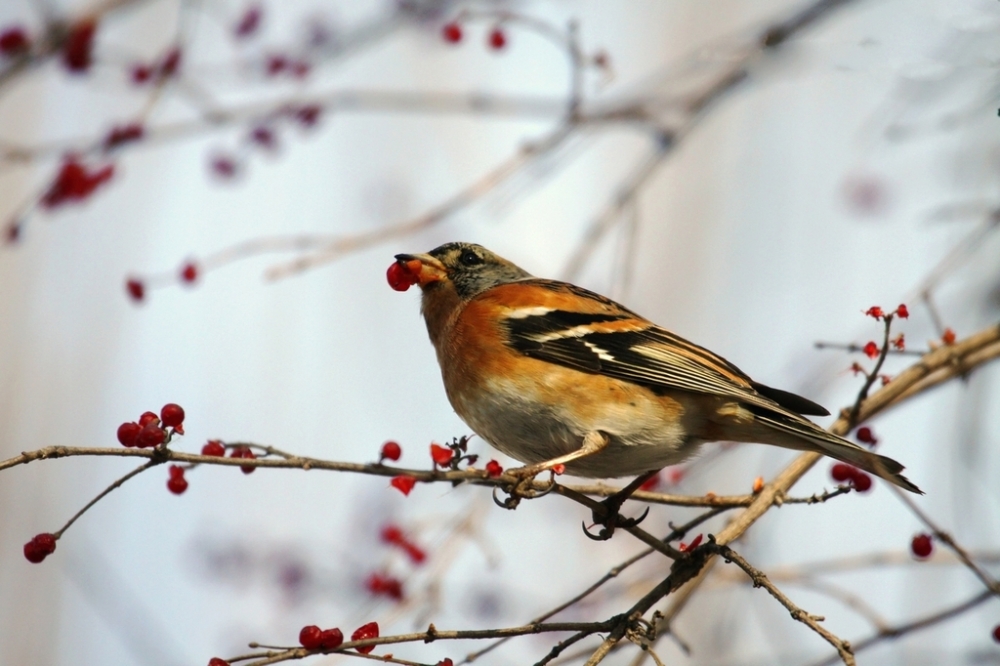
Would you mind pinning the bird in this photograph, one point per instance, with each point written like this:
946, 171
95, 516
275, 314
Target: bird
550, 373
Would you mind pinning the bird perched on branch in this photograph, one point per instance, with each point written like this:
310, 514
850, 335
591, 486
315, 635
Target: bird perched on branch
550, 373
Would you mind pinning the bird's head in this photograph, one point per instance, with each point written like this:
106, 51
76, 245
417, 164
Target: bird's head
465, 269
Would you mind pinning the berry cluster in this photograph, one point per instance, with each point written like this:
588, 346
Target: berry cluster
314, 638
453, 33
394, 536
152, 430
843, 473
40, 547
247, 454
158, 70
75, 182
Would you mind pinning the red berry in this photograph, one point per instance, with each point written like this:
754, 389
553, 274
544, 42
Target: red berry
122, 134
996, 633
403, 483
392, 534
213, 448
902, 312
140, 74
14, 41
948, 337
77, 50
388, 586
300, 69
497, 39
494, 469
899, 342
276, 64
390, 451
74, 183
331, 639
217, 661
452, 33
223, 167
922, 545
875, 312
415, 552
445, 662
871, 349
151, 435
310, 637
127, 433
12, 232
244, 452
136, 289
249, 22
177, 484
172, 415
441, 455
559, 469
862, 482
189, 272
40, 547
264, 137
652, 483
148, 417
864, 434
171, 62
363, 632
307, 115
400, 277
842, 472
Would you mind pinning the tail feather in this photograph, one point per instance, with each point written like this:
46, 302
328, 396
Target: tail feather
804, 435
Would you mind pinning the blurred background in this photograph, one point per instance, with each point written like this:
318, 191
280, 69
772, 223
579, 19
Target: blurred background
754, 199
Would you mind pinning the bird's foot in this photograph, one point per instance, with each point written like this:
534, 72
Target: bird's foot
519, 483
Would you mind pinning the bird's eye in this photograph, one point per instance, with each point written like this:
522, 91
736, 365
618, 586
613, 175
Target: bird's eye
470, 258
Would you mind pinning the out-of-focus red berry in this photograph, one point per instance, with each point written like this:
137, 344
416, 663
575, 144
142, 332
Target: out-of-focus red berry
948, 337
861, 481
921, 545
249, 23
842, 472
217, 661
871, 349
902, 311
213, 448
14, 41
223, 167
77, 50
140, 74
865, 435
122, 134
127, 433
381, 585
136, 289
451, 32
996, 633
497, 39
875, 312
445, 662
494, 469
369, 630
189, 272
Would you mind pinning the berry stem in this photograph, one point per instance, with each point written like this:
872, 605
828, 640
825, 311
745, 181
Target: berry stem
138, 470
873, 375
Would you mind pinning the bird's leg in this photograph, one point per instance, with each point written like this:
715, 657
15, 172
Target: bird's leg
593, 442
607, 513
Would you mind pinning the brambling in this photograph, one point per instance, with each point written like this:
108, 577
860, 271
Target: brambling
550, 373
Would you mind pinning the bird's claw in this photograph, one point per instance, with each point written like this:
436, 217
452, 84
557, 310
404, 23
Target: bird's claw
521, 487
607, 515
